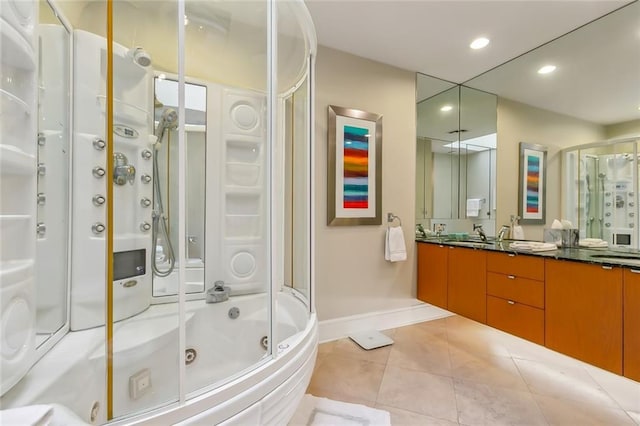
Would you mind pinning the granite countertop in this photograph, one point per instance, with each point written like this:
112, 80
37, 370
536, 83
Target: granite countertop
601, 256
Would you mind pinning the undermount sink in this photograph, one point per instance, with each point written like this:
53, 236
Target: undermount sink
616, 256
469, 242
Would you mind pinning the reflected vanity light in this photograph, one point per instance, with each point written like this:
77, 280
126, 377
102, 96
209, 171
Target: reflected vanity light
479, 43
446, 108
547, 69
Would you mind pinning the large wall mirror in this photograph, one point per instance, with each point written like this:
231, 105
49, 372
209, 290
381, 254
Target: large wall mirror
456, 156
592, 94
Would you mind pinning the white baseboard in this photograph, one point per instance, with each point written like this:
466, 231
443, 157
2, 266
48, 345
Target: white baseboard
338, 328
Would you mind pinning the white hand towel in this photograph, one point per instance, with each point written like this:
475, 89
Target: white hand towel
394, 248
473, 207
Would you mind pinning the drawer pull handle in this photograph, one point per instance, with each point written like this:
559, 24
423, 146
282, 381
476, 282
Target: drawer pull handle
511, 277
511, 255
608, 268
511, 302
635, 271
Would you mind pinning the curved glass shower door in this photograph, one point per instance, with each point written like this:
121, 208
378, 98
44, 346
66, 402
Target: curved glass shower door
190, 210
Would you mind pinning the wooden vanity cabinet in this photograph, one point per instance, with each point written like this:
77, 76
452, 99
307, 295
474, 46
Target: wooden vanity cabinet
583, 312
433, 274
467, 289
631, 300
515, 295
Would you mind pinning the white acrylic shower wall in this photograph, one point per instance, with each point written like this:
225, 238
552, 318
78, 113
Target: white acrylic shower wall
132, 109
236, 250
18, 151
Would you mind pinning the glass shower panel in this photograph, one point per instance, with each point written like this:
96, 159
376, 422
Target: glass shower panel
296, 210
54, 143
145, 337
231, 337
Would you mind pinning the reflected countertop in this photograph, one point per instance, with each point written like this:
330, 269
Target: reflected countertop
601, 256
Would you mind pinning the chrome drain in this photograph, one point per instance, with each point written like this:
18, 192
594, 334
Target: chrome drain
234, 313
190, 355
264, 342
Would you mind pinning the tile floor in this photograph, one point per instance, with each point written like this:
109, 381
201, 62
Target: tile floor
454, 371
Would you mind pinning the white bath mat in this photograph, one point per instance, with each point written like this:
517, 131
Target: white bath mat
314, 411
371, 339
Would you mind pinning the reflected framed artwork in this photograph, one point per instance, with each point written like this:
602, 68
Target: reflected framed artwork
533, 184
354, 163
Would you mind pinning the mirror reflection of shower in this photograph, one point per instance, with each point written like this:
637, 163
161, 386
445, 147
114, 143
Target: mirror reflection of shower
602, 192
160, 229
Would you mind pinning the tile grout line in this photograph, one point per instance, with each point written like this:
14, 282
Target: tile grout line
453, 384
531, 393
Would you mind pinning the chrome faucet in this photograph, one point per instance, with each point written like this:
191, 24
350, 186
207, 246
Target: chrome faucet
503, 231
478, 228
420, 232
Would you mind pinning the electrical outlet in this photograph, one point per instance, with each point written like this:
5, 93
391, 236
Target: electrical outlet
140, 383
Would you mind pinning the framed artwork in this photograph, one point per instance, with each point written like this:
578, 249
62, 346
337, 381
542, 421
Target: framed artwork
532, 191
354, 167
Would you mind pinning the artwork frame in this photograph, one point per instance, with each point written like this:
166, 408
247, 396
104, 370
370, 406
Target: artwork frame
354, 173
532, 189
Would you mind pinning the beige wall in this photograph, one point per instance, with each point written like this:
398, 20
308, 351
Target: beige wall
621, 130
352, 276
519, 122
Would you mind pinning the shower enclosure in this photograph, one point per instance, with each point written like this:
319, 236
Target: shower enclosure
156, 210
600, 194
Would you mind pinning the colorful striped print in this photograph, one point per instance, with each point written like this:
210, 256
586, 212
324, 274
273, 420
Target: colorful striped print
533, 184
356, 168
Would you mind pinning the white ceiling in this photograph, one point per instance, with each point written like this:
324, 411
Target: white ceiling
433, 37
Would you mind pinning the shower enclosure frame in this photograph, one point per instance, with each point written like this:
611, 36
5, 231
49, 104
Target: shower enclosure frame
210, 397
55, 337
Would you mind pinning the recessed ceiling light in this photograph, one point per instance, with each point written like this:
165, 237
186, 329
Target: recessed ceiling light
547, 69
479, 43
446, 108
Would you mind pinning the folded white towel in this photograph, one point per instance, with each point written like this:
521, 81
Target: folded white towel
394, 248
533, 246
593, 243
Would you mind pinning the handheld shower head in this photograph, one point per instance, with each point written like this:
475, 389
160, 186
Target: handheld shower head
168, 120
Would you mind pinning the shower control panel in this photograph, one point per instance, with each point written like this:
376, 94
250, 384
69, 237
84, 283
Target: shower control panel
128, 264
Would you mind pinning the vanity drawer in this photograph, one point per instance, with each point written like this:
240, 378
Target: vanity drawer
516, 318
531, 267
511, 287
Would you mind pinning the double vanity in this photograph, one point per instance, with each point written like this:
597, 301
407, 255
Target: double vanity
584, 303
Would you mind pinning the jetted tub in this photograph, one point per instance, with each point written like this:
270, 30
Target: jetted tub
224, 353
